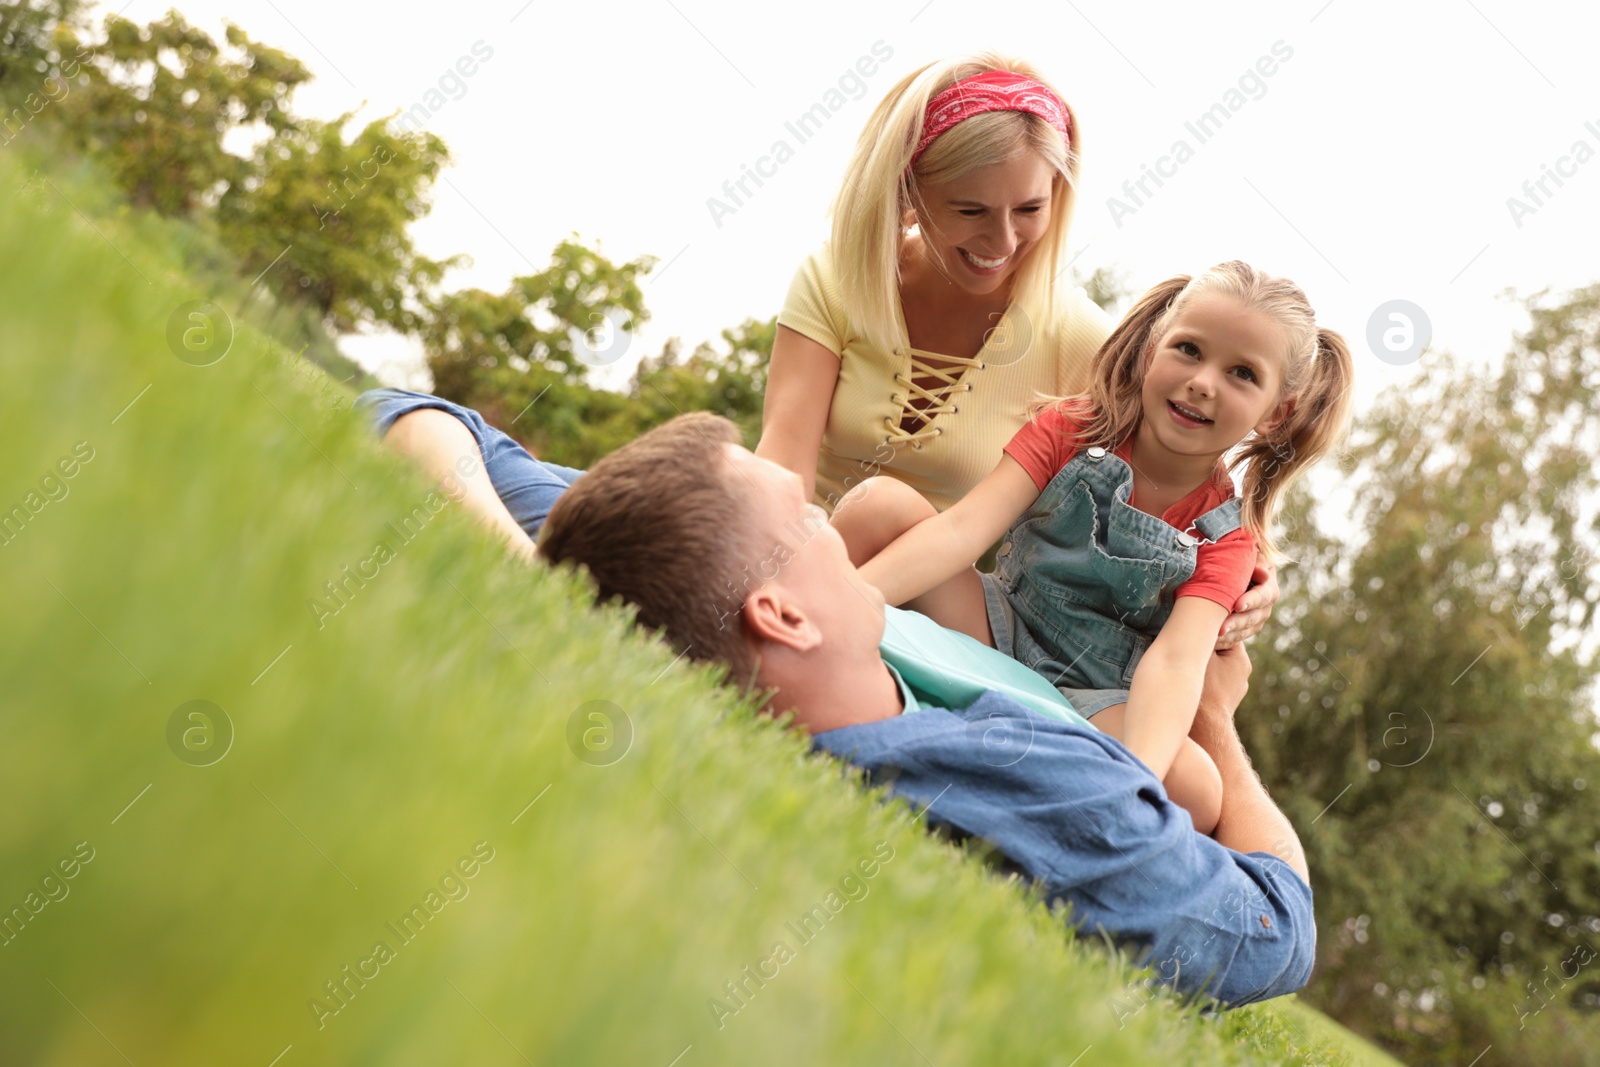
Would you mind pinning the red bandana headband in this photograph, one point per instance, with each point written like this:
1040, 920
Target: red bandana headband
997, 90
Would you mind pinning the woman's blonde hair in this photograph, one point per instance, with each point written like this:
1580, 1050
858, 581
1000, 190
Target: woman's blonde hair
1317, 374
878, 189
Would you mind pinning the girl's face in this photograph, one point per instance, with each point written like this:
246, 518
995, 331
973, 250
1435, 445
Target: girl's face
1213, 377
979, 229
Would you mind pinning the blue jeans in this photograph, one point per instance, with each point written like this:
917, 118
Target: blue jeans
527, 486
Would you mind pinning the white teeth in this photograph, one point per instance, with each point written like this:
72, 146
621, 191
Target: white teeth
985, 264
1190, 412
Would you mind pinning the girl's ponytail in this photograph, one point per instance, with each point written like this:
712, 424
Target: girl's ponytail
1272, 462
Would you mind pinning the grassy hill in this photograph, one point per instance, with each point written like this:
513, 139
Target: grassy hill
374, 841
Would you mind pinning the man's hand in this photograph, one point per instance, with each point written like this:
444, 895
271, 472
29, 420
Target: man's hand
1254, 608
1226, 682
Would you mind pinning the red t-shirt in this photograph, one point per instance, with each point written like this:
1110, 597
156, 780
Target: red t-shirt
1222, 569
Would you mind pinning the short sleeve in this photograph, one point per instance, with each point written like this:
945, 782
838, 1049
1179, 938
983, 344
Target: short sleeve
813, 308
1222, 570
1043, 446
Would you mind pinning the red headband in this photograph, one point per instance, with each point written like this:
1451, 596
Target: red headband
997, 90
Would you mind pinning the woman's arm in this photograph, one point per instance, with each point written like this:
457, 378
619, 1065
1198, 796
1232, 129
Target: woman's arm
801, 377
936, 549
1166, 684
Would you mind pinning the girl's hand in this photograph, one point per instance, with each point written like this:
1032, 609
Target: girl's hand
1254, 608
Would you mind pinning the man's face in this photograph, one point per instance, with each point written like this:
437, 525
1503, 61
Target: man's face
797, 548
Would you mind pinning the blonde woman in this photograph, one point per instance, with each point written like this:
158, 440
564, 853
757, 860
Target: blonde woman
913, 343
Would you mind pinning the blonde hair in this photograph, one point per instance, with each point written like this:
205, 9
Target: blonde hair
1318, 374
878, 190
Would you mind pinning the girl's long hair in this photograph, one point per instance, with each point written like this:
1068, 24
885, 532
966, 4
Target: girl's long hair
1318, 375
878, 191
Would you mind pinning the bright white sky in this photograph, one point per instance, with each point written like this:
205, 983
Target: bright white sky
1375, 165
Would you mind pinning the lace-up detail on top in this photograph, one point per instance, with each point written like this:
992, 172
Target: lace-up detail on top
913, 426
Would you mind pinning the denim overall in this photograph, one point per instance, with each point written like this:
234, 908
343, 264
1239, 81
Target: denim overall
1084, 580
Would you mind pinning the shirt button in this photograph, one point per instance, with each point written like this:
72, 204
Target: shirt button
1097, 452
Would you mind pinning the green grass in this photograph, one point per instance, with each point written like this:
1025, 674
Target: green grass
375, 747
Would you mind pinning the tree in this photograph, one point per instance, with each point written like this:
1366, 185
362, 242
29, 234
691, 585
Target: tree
1425, 706
731, 383
325, 221
576, 313
154, 104
28, 52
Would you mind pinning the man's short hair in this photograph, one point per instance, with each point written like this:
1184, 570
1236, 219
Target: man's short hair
663, 524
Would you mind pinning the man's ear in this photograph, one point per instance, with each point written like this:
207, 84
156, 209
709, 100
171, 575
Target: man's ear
772, 616
1275, 418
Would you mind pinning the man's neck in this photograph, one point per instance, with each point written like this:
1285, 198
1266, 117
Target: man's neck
830, 696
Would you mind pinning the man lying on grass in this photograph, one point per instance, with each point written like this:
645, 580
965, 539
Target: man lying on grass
720, 550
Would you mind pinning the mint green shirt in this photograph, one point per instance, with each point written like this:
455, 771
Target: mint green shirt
945, 669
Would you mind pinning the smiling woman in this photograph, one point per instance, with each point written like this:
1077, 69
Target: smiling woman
912, 343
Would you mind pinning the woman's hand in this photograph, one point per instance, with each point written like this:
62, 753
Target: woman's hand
1254, 608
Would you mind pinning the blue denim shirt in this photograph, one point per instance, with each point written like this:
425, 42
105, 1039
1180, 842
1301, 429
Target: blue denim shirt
1080, 815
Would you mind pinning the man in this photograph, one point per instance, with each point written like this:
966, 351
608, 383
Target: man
721, 551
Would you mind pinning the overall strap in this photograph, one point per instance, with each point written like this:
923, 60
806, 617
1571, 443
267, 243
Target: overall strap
1221, 520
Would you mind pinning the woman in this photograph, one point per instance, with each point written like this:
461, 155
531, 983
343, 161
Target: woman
912, 343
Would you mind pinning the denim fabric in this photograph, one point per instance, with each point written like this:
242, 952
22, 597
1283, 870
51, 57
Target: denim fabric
1084, 580
1078, 814
527, 486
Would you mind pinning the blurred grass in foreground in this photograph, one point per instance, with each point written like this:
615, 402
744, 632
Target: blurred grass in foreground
380, 753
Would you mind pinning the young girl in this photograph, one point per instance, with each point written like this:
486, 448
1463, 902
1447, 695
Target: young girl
1127, 546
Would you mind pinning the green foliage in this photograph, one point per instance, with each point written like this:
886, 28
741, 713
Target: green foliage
1432, 687
320, 219
1107, 286
574, 424
155, 102
28, 51
326, 221
522, 357
563, 319
383, 728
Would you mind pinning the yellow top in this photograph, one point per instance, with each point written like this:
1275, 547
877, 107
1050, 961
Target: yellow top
973, 406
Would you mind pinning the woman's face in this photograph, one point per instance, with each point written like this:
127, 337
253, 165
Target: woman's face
978, 229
